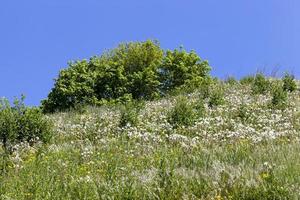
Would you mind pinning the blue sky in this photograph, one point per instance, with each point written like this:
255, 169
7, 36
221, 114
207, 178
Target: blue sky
237, 37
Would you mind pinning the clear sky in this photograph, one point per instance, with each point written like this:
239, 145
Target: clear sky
237, 37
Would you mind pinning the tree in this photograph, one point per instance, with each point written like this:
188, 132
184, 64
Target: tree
182, 68
74, 85
141, 70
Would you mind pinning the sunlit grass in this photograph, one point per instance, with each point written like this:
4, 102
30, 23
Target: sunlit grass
241, 149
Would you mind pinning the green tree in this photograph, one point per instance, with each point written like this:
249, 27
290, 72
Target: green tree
182, 68
139, 62
74, 85
138, 69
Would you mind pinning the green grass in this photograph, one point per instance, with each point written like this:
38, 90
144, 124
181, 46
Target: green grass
241, 149
128, 169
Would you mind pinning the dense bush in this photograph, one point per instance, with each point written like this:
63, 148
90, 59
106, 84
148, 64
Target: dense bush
247, 80
139, 69
260, 84
20, 123
289, 83
279, 97
183, 113
129, 113
216, 96
231, 80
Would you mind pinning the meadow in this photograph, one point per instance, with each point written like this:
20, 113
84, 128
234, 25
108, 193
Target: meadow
235, 144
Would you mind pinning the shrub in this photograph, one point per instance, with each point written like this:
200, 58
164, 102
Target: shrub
289, 83
20, 123
260, 84
242, 113
296, 121
231, 81
182, 114
139, 69
247, 80
199, 108
204, 88
279, 96
129, 113
216, 97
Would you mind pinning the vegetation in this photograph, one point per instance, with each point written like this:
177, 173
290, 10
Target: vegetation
216, 96
139, 69
247, 80
279, 96
203, 139
22, 124
260, 84
129, 113
171, 148
289, 84
182, 114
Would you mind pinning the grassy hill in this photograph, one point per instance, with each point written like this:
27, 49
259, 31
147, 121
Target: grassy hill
232, 146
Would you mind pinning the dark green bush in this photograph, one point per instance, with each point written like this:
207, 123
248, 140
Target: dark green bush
260, 84
183, 113
247, 80
199, 108
139, 69
204, 88
279, 96
216, 96
20, 123
231, 80
129, 113
242, 113
289, 83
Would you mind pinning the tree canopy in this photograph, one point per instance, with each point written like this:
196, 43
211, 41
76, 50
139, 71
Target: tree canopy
138, 70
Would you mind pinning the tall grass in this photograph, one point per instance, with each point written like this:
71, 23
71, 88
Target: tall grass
240, 149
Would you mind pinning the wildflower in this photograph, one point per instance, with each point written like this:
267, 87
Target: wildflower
219, 197
265, 175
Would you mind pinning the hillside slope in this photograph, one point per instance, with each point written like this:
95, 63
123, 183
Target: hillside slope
240, 149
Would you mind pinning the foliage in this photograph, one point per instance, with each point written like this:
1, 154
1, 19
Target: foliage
131, 68
289, 83
20, 123
180, 68
216, 96
279, 96
242, 113
205, 89
74, 85
260, 84
247, 80
182, 114
199, 108
240, 150
139, 69
129, 113
231, 80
